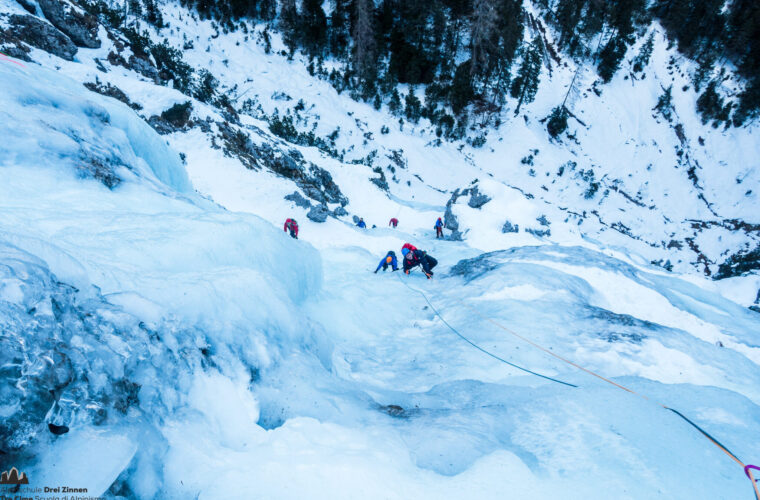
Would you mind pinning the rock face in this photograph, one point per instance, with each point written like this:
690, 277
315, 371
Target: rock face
315, 182
477, 199
173, 119
81, 28
738, 264
12, 48
470, 269
318, 213
102, 169
28, 5
541, 232
112, 91
41, 35
508, 227
339, 212
381, 181
450, 220
299, 200
144, 67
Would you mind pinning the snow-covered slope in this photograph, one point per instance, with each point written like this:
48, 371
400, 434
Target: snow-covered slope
678, 192
182, 345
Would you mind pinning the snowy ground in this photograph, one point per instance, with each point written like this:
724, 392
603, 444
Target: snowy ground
656, 179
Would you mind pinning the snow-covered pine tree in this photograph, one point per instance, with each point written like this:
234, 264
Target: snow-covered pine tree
525, 84
642, 58
567, 16
313, 27
363, 33
461, 88
413, 106
483, 25
289, 24
610, 57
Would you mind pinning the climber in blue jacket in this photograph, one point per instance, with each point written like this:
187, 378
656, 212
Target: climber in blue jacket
438, 228
388, 260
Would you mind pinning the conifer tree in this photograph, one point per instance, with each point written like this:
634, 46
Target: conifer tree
482, 28
525, 84
153, 14
461, 88
266, 9
610, 57
710, 105
135, 8
339, 27
557, 122
642, 58
413, 106
567, 18
289, 24
394, 104
313, 27
665, 104
363, 33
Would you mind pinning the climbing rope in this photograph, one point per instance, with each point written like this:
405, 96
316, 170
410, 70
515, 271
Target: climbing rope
717, 443
477, 346
5, 58
724, 449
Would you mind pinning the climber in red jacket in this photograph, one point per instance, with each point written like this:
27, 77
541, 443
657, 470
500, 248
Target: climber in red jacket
292, 226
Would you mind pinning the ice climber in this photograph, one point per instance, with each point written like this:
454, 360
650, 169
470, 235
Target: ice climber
292, 226
439, 228
388, 260
393, 222
414, 258
361, 223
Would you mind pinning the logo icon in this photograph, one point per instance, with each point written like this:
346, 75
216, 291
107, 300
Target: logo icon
13, 477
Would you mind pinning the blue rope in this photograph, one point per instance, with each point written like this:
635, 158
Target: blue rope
707, 435
477, 346
681, 415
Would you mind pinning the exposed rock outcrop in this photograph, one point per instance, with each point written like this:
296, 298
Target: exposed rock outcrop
315, 182
39, 34
508, 227
112, 91
80, 27
318, 213
477, 199
299, 200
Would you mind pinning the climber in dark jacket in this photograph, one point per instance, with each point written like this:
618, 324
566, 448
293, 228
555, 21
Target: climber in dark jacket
361, 223
388, 260
416, 258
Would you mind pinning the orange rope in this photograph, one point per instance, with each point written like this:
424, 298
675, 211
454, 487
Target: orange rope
712, 440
